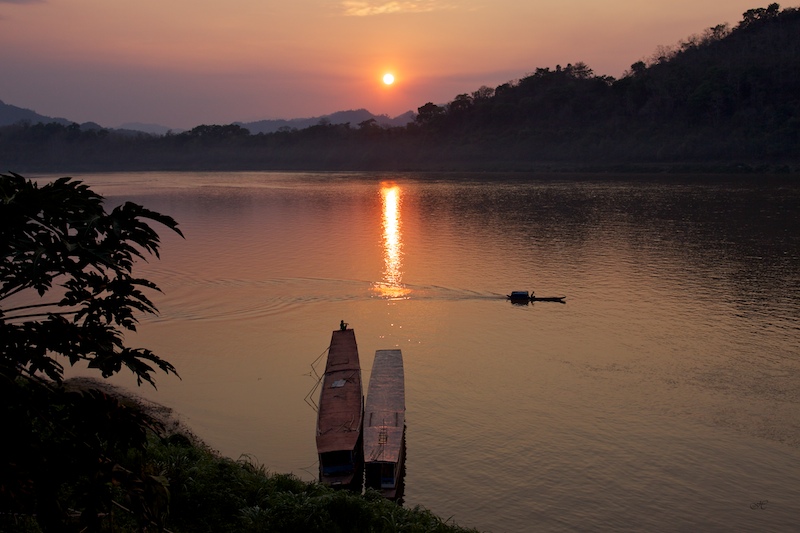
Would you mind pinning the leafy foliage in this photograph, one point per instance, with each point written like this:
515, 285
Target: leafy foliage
60, 233
180, 486
67, 291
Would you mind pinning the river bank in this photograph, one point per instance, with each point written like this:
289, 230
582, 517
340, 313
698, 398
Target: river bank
210, 492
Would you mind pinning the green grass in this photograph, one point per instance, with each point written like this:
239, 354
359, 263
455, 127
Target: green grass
192, 489
209, 493
171, 481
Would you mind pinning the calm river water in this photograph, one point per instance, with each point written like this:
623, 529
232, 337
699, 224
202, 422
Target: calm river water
663, 396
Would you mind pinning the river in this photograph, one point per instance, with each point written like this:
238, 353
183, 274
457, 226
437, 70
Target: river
664, 395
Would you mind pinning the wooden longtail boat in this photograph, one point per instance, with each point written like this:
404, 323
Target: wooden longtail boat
523, 297
384, 424
340, 414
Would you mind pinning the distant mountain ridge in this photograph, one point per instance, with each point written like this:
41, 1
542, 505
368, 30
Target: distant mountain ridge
11, 114
353, 117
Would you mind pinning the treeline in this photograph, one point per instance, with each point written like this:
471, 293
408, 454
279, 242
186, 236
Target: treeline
725, 98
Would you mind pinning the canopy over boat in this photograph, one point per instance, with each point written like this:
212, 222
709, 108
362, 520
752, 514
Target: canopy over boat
519, 295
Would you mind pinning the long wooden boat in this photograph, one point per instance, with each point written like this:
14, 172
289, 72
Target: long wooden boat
384, 424
525, 297
340, 414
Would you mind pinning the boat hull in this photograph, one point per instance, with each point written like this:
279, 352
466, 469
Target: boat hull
340, 414
384, 424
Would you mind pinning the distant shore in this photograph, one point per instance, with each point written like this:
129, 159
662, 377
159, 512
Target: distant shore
489, 171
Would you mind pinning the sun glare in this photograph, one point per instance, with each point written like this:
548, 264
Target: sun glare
388, 78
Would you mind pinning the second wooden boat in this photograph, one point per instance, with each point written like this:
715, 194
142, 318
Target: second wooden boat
384, 424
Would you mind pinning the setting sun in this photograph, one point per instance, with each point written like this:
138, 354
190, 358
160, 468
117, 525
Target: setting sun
388, 78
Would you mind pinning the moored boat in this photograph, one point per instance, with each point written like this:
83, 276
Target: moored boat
384, 424
340, 414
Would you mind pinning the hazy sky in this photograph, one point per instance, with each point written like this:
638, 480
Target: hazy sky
181, 63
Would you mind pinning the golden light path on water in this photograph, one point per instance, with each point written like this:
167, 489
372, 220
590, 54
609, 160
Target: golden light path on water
391, 286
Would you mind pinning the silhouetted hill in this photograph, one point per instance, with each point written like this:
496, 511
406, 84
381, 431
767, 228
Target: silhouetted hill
725, 99
353, 117
11, 114
726, 94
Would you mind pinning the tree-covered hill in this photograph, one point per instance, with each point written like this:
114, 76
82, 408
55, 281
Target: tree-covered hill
728, 97
720, 95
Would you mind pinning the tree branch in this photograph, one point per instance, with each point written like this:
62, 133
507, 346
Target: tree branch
35, 315
12, 293
20, 308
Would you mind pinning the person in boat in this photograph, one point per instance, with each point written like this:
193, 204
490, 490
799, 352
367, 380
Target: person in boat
343, 325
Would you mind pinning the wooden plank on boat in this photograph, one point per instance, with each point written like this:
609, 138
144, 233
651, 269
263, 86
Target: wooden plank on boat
385, 409
341, 400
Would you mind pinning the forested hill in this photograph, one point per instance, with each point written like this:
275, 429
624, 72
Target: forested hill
714, 95
726, 98
726, 93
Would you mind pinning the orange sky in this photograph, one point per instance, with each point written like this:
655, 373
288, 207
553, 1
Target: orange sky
182, 63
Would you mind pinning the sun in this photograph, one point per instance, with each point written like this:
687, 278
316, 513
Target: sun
388, 78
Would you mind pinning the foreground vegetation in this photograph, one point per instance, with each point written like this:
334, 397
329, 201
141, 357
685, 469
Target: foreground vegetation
192, 489
67, 296
727, 98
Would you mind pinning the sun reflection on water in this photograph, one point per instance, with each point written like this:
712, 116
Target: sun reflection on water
391, 286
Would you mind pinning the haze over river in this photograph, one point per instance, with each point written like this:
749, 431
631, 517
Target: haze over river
663, 396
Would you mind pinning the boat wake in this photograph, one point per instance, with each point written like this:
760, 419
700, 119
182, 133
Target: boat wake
197, 299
